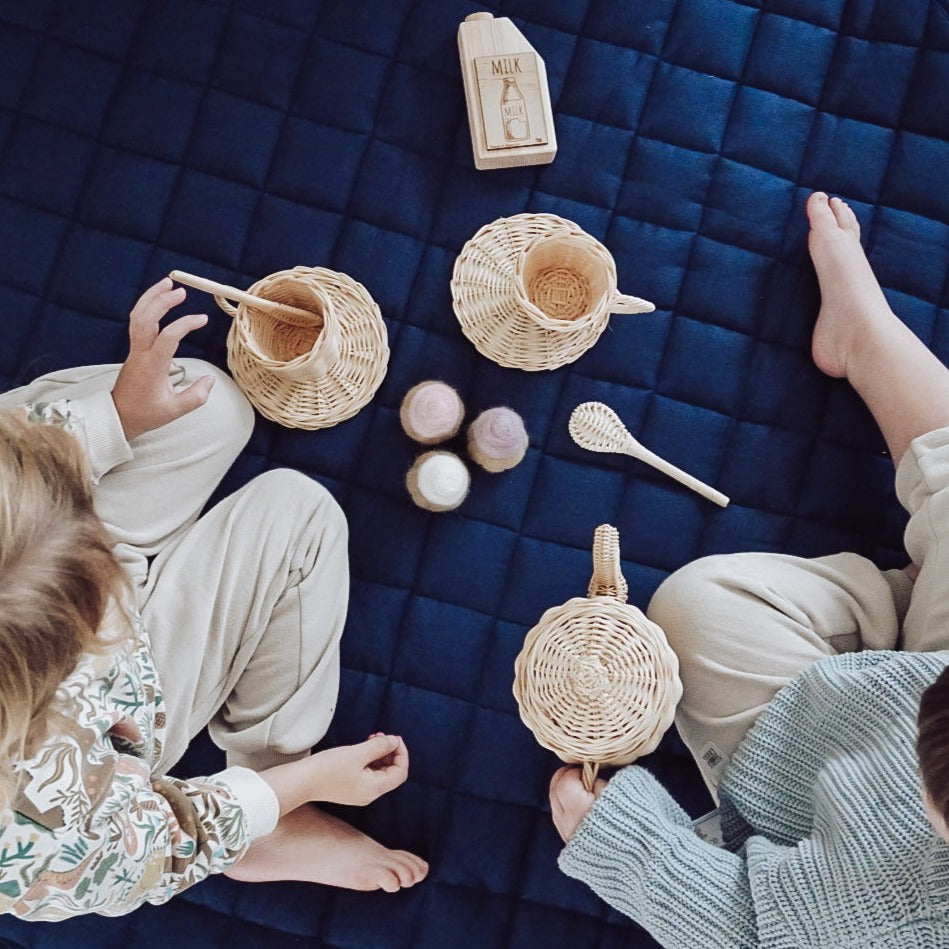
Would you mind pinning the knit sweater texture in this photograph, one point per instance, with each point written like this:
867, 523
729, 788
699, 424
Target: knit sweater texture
825, 794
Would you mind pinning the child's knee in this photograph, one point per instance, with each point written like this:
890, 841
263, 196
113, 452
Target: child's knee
227, 414
685, 600
303, 501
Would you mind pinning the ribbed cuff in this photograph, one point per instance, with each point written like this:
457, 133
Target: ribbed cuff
256, 798
629, 816
105, 440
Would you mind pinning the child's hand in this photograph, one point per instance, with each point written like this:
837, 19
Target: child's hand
358, 774
570, 800
143, 395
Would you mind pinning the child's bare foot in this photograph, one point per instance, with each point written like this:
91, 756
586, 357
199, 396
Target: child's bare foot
311, 845
851, 298
570, 800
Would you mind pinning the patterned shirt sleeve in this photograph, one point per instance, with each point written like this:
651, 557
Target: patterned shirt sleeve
144, 841
56, 414
94, 421
93, 828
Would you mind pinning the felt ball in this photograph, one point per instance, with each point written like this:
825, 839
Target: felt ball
497, 439
431, 412
438, 481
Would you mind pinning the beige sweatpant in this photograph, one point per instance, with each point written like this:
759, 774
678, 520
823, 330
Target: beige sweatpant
244, 606
744, 625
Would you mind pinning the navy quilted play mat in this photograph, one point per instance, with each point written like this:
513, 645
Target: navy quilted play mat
234, 138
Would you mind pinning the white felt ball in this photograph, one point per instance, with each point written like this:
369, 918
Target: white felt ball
438, 481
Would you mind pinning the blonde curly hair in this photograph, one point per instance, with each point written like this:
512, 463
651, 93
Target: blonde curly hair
57, 578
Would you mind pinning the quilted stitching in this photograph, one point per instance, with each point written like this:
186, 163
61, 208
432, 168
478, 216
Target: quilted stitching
234, 139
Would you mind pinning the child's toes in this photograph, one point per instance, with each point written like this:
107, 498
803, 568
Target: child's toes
819, 212
846, 219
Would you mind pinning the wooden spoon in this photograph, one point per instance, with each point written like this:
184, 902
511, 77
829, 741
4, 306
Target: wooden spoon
241, 296
597, 427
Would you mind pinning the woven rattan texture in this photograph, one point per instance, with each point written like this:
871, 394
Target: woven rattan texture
596, 427
262, 348
508, 270
238, 139
596, 681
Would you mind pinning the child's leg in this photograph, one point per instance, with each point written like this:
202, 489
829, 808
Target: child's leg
922, 484
905, 387
858, 337
314, 846
245, 611
744, 625
147, 501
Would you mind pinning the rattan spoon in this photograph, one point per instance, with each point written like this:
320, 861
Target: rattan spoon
597, 427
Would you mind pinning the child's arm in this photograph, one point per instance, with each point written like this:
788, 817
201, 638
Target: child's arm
140, 839
142, 398
637, 850
147, 837
350, 774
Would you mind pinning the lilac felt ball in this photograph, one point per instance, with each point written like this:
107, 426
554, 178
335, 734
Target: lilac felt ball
497, 439
431, 412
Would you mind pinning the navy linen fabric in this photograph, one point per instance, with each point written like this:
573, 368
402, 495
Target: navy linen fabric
234, 139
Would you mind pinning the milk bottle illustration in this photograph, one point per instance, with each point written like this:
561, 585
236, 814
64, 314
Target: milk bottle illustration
514, 112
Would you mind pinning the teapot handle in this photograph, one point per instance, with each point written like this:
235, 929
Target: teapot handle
226, 306
590, 770
607, 579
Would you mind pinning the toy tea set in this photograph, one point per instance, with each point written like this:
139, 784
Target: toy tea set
596, 681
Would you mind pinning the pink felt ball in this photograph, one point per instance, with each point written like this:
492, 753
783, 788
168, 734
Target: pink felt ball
431, 412
497, 439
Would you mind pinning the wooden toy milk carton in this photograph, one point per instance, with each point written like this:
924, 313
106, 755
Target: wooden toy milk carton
506, 92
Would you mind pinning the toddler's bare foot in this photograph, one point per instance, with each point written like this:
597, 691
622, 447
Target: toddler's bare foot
311, 845
851, 298
570, 800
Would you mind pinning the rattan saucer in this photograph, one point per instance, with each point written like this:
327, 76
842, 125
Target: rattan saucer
308, 374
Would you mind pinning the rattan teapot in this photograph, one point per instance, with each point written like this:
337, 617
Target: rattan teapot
596, 681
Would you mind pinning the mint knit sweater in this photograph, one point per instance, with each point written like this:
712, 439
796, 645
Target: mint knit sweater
839, 851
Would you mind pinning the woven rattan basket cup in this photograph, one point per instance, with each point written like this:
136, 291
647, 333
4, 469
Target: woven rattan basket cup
535, 291
596, 681
308, 372
566, 280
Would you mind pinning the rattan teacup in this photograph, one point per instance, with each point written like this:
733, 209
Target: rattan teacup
596, 681
535, 291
